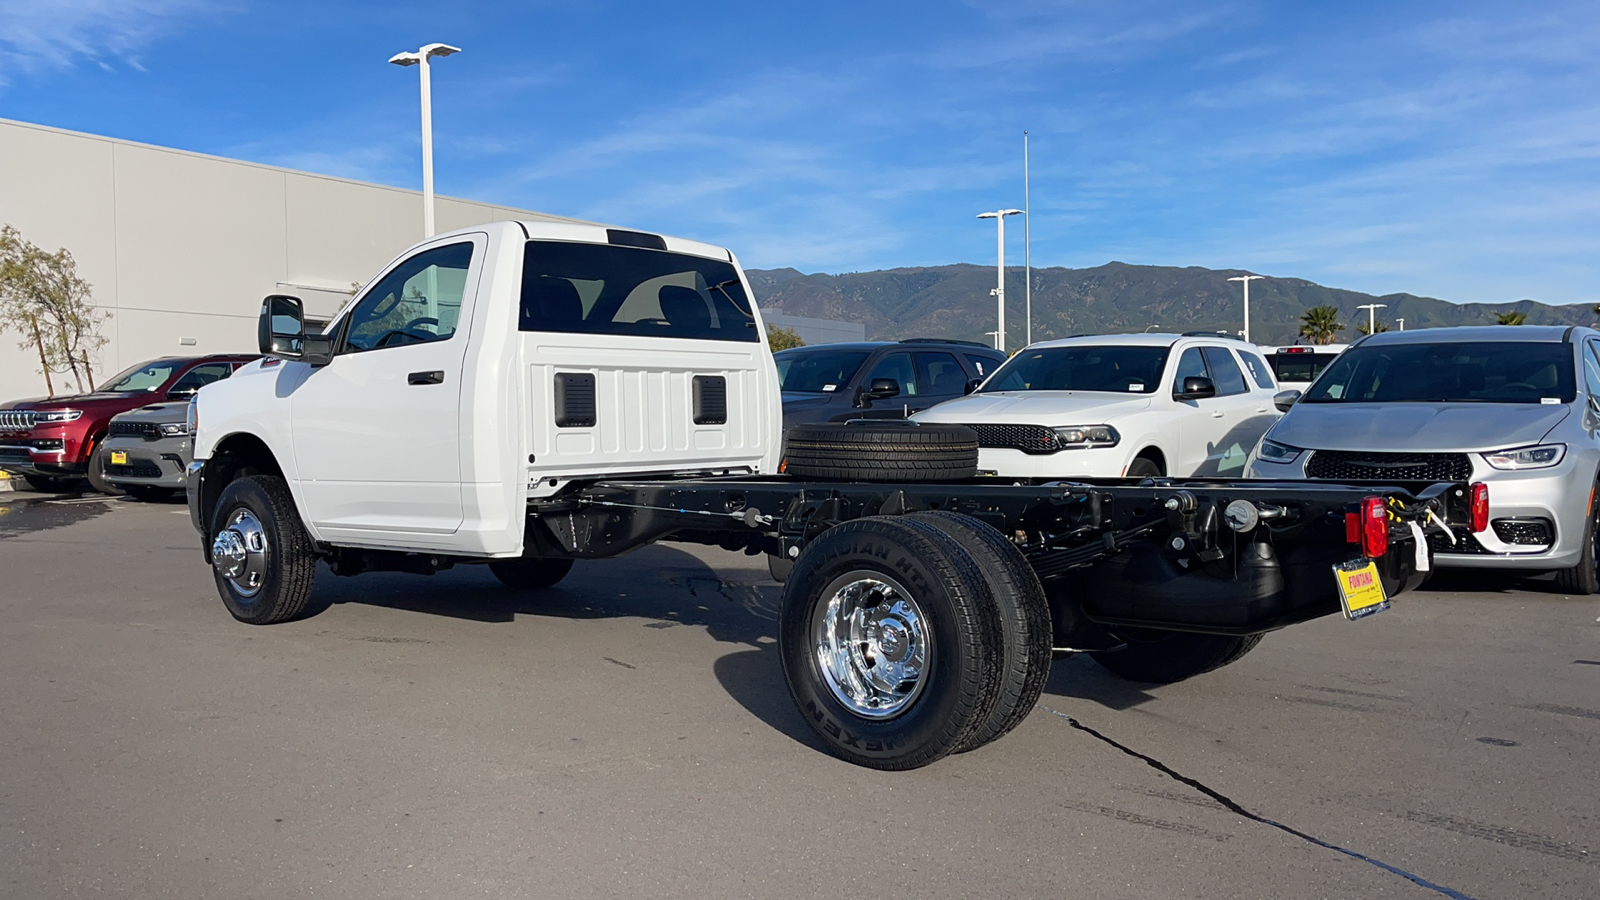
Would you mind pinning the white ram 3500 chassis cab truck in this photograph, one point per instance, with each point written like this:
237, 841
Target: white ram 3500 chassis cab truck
526, 394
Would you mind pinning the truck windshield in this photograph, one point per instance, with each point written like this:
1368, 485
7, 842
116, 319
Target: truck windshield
1477, 372
143, 377
818, 370
578, 288
1124, 370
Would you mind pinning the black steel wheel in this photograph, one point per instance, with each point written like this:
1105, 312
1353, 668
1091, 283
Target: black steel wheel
879, 451
890, 641
1163, 657
1024, 621
529, 573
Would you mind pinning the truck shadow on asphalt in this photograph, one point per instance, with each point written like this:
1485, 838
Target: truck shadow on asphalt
669, 588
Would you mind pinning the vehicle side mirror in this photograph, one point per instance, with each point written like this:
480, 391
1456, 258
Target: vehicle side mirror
1285, 399
883, 389
973, 385
1196, 387
281, 332
182, 393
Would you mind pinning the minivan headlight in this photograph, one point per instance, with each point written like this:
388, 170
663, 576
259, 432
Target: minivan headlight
1272, 451
1540, 457
1077, 437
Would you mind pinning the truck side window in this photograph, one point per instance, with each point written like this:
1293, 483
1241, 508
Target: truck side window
1224, 371
419, 301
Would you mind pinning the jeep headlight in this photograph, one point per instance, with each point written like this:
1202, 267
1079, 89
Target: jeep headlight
1540, 457
1078, 437
56, 416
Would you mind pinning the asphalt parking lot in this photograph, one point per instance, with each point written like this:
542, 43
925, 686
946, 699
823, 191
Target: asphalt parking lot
628, 734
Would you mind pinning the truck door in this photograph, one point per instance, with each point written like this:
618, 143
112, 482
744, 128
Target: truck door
376, 431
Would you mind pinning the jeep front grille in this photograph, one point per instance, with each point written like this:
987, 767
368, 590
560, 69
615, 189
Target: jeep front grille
17, 419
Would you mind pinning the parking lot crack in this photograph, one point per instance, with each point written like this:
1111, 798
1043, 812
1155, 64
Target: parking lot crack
1232, 806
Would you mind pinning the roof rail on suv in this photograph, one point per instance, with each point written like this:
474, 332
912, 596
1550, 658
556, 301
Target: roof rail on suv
1214, 334
944, 341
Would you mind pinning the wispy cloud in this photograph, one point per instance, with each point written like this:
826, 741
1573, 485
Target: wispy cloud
39, 35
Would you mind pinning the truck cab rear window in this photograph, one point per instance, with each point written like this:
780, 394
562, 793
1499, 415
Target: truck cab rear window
576, 288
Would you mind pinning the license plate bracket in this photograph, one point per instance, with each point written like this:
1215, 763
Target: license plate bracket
1361, 591
119, 457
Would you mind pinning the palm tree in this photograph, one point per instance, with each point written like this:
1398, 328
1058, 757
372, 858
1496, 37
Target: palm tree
1510, 318
1320, 323
1363, 328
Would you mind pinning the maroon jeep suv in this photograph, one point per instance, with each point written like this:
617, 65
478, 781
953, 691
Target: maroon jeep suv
55, 443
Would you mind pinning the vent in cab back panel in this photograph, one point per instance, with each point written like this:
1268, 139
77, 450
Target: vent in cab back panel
575, 405
710, 400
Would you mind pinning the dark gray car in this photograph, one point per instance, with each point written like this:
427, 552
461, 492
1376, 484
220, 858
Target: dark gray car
877, 379
148, 451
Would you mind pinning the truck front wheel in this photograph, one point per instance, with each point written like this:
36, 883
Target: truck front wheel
1162, 657
530, 574
891, 642
261, 555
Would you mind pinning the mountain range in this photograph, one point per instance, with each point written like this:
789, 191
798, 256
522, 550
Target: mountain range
955, 302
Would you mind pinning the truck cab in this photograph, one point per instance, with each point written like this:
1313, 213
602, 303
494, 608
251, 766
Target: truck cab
489, 366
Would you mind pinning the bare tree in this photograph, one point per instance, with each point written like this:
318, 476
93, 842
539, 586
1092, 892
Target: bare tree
43, 300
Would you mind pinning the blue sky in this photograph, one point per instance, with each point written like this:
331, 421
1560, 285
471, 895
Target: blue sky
1445, 149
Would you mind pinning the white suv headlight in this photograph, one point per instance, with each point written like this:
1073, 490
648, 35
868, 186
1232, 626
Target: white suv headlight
1078, 437
1274, 452
1540, 457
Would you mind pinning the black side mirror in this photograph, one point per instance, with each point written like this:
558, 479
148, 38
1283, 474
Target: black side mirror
883, 389
1285, 399
973, 385
182, 393
1196, 387
281, 332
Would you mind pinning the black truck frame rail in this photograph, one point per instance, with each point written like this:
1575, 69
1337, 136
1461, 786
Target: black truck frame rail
1148, 553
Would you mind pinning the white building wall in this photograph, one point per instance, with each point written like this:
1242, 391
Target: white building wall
181, 247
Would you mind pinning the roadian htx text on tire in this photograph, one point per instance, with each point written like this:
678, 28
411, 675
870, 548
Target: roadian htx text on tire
261, 556
890, 641
881, 451
1024, 621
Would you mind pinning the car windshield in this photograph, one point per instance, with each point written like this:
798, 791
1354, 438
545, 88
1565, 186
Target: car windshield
143, 377
817, 370
1300, 365
1124, 370
1476, 372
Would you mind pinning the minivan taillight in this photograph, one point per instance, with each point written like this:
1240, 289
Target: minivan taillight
1480, 508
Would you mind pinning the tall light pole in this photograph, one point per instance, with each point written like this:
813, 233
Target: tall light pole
1246, 279
1027, 243
999, 216
421, 58
1402, 324
1372, 315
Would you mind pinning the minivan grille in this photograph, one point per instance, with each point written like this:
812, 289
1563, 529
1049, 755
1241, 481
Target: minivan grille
17, 419
1034, 439
1358, 466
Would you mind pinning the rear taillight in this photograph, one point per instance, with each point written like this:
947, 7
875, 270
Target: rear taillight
1480, 508
1369, 527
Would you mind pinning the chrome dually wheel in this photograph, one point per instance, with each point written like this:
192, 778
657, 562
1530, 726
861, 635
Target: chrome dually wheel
872, 644
239, 552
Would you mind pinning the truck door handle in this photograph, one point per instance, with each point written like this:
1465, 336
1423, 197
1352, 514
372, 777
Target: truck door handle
434, 377
1216, 414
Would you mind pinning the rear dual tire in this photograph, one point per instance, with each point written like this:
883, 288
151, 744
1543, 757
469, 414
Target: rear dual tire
901, 638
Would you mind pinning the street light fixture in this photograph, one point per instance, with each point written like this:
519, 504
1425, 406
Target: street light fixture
999, 217
1246, 279
1372, 315
421, 58
1402, 324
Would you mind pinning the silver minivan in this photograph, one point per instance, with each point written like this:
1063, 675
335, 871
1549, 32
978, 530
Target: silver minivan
1515, 407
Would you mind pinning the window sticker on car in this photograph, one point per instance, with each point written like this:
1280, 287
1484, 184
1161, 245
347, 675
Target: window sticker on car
1550, 401
829, 387
1136, 386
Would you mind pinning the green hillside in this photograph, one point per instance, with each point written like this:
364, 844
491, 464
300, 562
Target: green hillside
954, 301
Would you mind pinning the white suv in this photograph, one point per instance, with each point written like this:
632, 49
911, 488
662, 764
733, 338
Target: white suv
1113, 405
